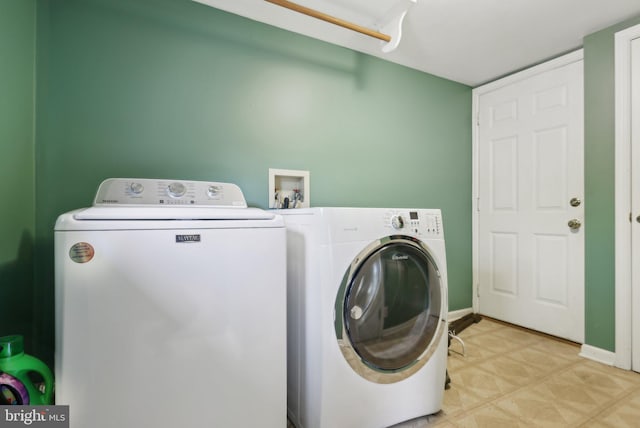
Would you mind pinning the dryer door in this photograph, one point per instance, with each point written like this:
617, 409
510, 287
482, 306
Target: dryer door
389, 310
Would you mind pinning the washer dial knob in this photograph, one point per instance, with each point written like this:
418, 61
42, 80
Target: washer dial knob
176, 190
397, 222
214, 191
136, 188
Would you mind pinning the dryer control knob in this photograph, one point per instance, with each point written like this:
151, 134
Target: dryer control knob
397, 222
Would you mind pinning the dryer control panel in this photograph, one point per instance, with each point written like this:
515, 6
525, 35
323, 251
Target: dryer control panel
145, 191
415, 222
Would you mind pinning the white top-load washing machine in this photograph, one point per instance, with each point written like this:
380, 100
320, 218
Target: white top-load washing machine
170, 308
367, 315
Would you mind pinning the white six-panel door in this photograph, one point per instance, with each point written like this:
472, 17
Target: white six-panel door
627, 198
529, 179
635, 201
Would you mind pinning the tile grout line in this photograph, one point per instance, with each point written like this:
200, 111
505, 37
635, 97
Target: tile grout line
566, 365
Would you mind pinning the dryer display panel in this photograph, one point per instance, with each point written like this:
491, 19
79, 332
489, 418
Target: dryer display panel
389, 308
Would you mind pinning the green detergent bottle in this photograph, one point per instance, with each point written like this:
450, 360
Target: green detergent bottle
24, 370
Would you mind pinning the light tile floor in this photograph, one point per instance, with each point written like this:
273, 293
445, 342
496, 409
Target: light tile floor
511, 377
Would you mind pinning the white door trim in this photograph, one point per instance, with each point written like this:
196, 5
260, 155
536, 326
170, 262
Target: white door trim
623, 194
476, 94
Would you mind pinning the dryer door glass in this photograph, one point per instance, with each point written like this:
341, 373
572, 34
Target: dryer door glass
392, 306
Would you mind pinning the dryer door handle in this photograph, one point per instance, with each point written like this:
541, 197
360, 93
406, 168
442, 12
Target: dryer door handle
356, 312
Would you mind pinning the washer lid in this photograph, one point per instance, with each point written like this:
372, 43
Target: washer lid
171, 213
132, 200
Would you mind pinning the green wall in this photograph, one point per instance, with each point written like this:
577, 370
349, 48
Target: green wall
17, 210
172, 88
176, 89
599, 186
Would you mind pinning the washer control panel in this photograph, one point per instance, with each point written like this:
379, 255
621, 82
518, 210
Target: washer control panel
145, 191
419, 223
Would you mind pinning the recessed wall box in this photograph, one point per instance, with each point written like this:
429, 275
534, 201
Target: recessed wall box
289, 188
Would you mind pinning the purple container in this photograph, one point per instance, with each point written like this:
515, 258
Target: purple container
12, 391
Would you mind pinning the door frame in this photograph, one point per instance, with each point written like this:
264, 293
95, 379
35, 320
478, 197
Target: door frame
623, 285
561, 61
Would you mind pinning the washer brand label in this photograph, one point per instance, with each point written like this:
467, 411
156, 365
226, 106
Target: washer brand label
81, 252
399, 257
187, 238
34, 416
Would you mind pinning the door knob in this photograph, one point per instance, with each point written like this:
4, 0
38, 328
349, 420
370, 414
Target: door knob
638, 219
574, 224
575, 202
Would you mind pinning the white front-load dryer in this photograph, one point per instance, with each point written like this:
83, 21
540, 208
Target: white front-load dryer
367, 310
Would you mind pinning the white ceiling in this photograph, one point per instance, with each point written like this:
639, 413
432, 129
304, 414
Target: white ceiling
468, 41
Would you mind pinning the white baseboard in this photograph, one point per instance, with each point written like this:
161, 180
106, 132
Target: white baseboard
454, 315
586, 351
597, 354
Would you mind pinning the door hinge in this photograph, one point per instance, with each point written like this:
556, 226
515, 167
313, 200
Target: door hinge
477, 204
